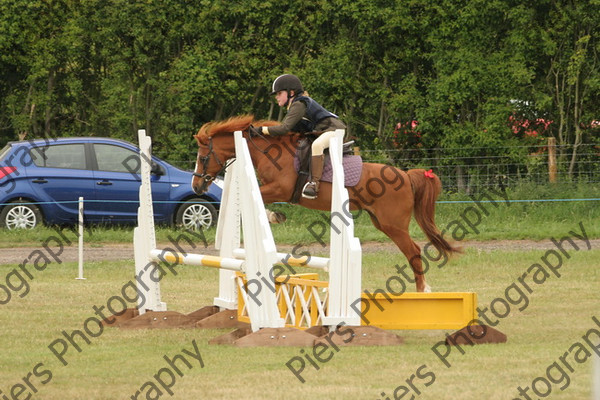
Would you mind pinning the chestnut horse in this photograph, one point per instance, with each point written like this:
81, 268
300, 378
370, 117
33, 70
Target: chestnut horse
388, 194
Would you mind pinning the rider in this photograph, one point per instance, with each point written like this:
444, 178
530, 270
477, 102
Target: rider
303, 115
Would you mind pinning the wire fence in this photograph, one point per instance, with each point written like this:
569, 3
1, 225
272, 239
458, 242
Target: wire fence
499, 167
505, 167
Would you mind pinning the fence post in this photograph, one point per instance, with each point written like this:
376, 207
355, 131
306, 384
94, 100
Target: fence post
552, 160
80, 248
596, 378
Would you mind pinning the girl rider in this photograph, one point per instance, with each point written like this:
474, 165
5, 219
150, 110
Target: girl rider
303, 115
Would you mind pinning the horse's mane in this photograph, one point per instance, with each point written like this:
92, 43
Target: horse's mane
228, 126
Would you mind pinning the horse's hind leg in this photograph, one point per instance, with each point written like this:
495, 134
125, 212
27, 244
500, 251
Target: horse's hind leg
413, 254
409, 248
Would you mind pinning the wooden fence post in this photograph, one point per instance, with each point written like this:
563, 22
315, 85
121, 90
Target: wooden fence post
552, 160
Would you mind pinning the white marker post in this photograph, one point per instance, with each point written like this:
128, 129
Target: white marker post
80, 239
596, 378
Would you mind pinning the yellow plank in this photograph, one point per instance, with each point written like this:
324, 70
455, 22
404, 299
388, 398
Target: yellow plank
285, 278
306, 282
451, 310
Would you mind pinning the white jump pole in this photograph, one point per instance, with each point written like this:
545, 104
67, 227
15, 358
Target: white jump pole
80, 239
288, 259
201, 260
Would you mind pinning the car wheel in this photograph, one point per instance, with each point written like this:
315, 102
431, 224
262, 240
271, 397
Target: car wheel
21, 215
196, 214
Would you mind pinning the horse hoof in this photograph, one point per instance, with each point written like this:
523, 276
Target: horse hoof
280, 217
276, 217
427, 289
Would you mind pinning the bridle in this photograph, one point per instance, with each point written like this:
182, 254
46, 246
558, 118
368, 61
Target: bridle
206, 160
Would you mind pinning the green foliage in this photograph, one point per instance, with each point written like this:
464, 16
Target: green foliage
111, 67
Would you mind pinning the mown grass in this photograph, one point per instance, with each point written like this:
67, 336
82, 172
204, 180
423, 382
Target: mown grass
118, 362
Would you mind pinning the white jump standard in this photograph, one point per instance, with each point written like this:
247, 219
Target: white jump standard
258, 257
275, 307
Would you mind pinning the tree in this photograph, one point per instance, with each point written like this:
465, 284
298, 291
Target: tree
572, 73
477, 71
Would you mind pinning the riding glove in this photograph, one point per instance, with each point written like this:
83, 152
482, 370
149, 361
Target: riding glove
255, 130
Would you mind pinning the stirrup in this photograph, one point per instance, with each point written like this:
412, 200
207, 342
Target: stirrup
309, 195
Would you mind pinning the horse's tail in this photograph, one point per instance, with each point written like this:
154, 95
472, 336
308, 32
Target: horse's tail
426, 188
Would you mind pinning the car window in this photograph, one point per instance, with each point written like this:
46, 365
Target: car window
116, 159
60, 156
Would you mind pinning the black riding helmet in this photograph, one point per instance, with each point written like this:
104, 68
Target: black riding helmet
287, 82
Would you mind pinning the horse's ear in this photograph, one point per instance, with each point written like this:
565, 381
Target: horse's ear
202, 139
202, 135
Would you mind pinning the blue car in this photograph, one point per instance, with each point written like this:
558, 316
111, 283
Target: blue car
42, 180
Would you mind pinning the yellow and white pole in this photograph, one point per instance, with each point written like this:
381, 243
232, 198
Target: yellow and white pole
202, 260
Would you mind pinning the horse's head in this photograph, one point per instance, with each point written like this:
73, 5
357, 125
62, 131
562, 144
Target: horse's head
215, 148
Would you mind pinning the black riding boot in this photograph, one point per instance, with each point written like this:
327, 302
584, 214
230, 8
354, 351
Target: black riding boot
311, 189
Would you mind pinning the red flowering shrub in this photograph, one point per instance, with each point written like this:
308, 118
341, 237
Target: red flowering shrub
524, 128
407, 136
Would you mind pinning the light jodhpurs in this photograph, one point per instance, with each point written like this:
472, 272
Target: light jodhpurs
321, 143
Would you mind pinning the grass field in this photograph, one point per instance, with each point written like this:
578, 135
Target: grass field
117, 363
545, 317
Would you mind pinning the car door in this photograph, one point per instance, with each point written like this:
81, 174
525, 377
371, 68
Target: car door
60, 173
118, 182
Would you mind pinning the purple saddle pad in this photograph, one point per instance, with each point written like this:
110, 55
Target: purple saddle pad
352, 169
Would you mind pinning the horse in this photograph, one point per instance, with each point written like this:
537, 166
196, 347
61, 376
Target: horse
389, 195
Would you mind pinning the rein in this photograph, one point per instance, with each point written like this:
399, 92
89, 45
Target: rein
251, 140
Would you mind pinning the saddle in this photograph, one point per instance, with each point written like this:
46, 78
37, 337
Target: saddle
302, 163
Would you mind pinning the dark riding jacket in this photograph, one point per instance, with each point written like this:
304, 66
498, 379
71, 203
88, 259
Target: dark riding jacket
306, 115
